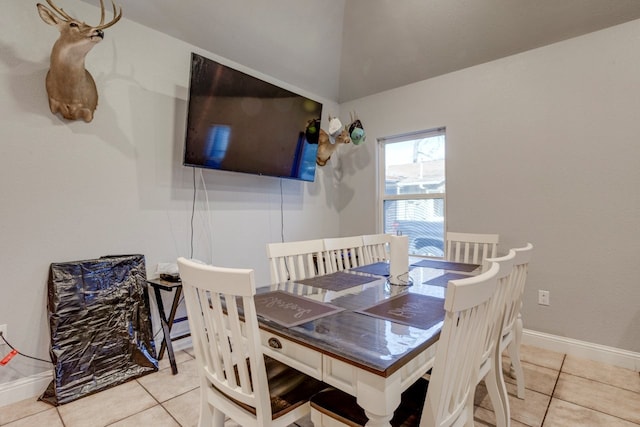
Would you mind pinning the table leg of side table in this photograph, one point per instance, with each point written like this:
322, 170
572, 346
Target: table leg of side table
172, 315
166, 331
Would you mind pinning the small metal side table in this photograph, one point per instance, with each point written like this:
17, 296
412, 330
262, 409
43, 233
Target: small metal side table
159, 285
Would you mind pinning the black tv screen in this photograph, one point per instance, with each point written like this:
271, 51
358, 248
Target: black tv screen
237, 122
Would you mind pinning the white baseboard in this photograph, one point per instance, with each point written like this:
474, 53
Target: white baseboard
177, 345
34, 386
182, 344
586, 350
25, 388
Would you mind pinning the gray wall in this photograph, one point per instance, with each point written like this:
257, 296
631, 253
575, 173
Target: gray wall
72, 190
541, 147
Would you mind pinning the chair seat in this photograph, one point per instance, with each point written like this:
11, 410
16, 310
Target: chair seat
288, 388
343, 407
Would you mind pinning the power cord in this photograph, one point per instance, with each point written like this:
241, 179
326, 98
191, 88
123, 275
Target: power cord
402, 280
193, 210
286, 265
281, 213
15, 351
208, 215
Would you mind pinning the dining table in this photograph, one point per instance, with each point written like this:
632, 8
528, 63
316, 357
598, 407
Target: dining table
358, 332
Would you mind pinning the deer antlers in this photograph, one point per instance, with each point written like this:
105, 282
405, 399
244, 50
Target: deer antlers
71, 88
116, 15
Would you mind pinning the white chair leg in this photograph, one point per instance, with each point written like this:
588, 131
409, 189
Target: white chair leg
514, 354
498, 393
206, 413
218, 418
316, 418
469, 410
502, 386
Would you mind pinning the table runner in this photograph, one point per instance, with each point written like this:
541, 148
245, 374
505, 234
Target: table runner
417, 310
446, 265
291, 310
337, 281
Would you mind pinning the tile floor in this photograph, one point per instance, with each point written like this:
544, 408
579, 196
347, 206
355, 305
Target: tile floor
561, 391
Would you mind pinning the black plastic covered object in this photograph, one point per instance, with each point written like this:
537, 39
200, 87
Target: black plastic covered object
100, 326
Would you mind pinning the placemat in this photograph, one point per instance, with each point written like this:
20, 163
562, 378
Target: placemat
337, 281
444, 279
417, 310
379, 268
446, 265
291, 310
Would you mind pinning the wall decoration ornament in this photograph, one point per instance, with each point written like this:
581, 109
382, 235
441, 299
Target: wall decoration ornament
329, 141
356, 130
71, 89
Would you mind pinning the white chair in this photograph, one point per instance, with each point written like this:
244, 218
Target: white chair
471, 248
512, 327
236, 379
342, 253
490, 364
447, 398
375, 247
295, 260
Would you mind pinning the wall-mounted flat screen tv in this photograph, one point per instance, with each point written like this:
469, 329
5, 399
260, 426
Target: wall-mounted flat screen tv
237, 122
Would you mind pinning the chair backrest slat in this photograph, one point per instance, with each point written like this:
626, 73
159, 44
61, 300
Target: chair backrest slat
468, 305
375, 247
227, 346
343, 253
514, 297
295, 260
498, 307
471, 248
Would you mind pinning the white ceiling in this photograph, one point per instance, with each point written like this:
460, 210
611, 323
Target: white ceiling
347, 49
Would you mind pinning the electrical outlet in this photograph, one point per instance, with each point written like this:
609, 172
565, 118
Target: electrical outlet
3, 329
543, 297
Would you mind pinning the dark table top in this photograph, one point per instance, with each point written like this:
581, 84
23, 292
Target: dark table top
365, 340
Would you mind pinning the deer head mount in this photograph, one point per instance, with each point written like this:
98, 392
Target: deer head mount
71, 89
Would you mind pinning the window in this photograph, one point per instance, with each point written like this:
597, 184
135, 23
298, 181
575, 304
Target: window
413, 189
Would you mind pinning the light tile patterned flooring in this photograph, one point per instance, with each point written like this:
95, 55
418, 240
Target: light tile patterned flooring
561, 391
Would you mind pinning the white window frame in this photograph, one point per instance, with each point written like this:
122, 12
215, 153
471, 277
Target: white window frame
381, 173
